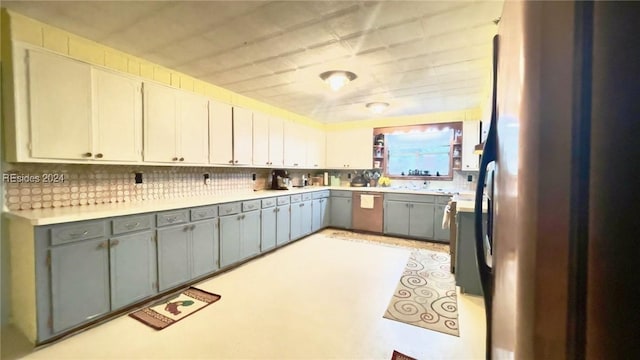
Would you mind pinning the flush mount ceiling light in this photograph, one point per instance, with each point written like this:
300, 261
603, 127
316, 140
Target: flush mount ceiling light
377, 107
337, 78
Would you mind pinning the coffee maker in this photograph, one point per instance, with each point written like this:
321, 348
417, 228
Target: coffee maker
279, 180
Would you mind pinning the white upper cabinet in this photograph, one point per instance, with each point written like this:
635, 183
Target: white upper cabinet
349, 148
316, 145
59, 107
220, 133
68, 111
295, 145
276, 141
117, 114
193, 128
470, 138
261, 139
242, 136
175, 124
160, 117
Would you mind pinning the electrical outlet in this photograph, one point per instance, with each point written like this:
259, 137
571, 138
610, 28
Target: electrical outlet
138, 178
207, 179
469, 178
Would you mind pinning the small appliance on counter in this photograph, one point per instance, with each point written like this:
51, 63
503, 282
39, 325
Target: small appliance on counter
359, 181
279, 180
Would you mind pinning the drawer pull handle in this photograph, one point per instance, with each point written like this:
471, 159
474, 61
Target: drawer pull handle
77, 235
114, 242
228, 210
181, 159
103, 245
132, 226
172, 219
175, 159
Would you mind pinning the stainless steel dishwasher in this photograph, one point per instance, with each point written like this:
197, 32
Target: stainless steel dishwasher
366, 211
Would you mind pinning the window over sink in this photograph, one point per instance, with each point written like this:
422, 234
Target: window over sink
429, 151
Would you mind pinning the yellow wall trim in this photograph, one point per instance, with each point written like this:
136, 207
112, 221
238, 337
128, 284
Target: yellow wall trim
430, 118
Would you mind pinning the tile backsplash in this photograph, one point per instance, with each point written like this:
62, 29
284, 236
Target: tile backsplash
100, 184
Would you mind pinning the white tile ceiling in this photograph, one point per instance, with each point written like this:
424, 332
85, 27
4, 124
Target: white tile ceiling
420, 56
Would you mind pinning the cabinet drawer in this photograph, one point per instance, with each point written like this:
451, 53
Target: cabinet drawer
321, 194
443, 200
341, 193
172, 217
229, 209
78, 231
296, 198
205, 212
410, 198
307, 196
267, 203
251, 205
283, 200
131, 223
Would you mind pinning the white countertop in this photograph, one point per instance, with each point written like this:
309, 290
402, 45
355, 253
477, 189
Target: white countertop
89, 212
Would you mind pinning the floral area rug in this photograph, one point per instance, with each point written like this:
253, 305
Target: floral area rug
426, 294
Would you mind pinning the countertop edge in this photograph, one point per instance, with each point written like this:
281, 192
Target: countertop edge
50, 216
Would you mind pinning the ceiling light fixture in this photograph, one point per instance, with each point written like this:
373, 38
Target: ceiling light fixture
337, 78
377, 107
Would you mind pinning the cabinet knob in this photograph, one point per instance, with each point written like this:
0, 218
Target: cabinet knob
114, 242
103, 245
230, 161
87, 154
236, 161
99, 155
181, 159
175, 159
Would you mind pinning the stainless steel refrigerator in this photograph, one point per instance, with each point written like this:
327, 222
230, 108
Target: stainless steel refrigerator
564, 190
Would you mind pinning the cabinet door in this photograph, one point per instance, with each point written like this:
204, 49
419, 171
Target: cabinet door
349, 148
315, 148
242, 136
316, 215
173, 256
296, 221
79, 282
470, 138
396, 218
133, 268
283, 226
220, 133
260, 139
160, 114
269, 228
250, 240
307, 214
326, 218
276, 141
295, 146
421, 220
438, 232
204, 247
59, 107
341, 212
230, 239
193, 129
117, 117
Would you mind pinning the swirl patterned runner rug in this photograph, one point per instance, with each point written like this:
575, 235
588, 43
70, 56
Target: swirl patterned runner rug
426, 294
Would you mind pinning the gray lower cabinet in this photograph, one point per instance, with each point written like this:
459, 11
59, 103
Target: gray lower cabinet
396, 218
250, 234
283, 224
132, 268
307, 214
173, 256
409, 215
296, 221
79, 282
439, 233
320, 216
204, 247
230, 239
239, 237
340, 213
269, 228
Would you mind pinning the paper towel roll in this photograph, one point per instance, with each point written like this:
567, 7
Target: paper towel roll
326, 178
